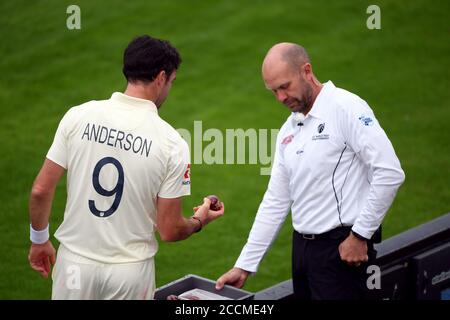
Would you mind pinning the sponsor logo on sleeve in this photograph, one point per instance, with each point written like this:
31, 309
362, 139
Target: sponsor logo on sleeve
187, 175
367, 121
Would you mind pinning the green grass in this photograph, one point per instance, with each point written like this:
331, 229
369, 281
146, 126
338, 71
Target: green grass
402, 70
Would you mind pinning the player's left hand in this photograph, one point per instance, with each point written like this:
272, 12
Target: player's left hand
42, 257
353, 251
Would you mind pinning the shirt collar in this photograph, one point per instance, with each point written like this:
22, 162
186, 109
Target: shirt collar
319, 108
133, 101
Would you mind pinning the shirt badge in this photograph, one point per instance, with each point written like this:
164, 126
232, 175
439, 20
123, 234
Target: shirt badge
287, 139
321, 136
367, 121
320, 127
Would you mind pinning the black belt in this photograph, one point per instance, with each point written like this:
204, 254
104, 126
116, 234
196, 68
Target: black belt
336, 233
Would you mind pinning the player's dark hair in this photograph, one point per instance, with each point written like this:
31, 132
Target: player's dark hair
145, 57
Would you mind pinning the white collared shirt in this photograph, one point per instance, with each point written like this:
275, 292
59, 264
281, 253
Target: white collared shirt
337, 169
119, 155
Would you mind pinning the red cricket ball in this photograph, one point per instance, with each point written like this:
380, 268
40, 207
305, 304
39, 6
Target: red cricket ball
215, 203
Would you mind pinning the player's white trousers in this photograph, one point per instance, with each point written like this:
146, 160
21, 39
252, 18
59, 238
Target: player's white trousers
79, 278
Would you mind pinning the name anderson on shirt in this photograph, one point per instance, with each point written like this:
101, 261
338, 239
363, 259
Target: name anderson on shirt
117, 139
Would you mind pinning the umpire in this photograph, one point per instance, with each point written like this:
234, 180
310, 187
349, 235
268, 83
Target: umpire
336, 170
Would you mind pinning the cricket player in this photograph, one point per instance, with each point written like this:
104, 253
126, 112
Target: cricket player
127, 171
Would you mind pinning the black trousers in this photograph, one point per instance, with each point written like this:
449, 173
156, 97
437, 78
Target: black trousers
318, 272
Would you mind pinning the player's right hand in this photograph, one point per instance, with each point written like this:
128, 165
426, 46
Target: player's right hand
42, 257
236, 277
205, 214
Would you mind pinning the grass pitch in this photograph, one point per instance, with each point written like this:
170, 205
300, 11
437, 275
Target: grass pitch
402, 71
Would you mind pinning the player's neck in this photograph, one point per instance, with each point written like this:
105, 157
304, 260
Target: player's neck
140, 91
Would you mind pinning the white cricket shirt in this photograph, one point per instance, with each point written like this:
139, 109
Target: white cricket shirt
119, 155
337, 169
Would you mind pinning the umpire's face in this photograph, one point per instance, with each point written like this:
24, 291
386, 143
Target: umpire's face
289, 83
